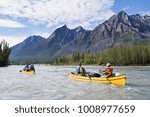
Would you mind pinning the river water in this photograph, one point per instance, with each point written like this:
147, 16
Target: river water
52, 83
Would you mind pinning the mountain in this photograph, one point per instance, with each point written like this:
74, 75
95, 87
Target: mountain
37, 49
28, 43
62, 37
26, 50
120, 29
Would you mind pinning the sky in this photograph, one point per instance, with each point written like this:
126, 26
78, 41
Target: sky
20, 19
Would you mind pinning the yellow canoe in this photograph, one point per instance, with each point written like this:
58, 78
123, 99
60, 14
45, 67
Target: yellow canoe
29, 72
116, 80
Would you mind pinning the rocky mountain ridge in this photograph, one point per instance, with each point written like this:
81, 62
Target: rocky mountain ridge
120, 29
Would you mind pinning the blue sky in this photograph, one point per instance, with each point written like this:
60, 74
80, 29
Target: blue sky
132, 6
22, 18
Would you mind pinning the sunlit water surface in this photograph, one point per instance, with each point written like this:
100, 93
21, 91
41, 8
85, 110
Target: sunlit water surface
52, 83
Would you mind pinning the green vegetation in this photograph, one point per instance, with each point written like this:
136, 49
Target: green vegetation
4, 53
124, 55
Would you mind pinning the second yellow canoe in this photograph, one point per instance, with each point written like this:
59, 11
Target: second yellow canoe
29, 72
116, 80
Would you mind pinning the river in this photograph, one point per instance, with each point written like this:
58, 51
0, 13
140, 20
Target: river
52, 83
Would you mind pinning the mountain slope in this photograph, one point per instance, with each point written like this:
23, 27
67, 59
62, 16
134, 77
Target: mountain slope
26, 50
118, 30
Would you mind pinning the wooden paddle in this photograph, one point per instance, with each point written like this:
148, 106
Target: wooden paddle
109, 80
88, 75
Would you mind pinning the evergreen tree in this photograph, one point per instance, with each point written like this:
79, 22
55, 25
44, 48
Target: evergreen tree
124, 55
4, 53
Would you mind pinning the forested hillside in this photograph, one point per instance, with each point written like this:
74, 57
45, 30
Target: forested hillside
124, 55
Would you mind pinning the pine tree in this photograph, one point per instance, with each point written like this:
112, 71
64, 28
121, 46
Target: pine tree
4, 53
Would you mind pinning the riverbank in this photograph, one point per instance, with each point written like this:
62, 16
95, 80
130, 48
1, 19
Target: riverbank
78, 64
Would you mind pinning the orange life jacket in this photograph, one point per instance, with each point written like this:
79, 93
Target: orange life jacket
109, 71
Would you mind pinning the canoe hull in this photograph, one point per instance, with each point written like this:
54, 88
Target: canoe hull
117, 80
29, 72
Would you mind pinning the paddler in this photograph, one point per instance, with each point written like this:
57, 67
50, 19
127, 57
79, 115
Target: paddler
81, 70
108, 71
26, 68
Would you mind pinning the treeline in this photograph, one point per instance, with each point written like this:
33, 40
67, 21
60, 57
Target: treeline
4, 53
124, 55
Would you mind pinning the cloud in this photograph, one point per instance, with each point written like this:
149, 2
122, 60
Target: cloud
126, 8
12, 40
145, 13
43, 34
6, 23
54, 13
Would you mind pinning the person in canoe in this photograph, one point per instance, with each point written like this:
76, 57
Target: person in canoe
108, 71
81, 70
32, 67
26, 68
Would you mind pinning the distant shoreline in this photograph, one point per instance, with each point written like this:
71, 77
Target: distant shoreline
77, 65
